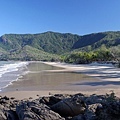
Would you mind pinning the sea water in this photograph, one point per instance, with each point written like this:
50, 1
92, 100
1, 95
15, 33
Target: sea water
11, 71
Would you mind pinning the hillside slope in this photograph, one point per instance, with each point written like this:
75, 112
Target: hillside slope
49, 42
44, 46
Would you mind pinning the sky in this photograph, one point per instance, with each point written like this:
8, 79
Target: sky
64, 16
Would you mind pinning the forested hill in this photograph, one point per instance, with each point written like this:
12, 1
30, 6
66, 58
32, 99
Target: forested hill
96, 40
49, 41
48, 45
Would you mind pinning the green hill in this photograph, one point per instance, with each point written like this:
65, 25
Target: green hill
96, 40
48, 45
49, 42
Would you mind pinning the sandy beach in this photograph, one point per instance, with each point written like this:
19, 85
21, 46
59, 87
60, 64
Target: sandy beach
89, 79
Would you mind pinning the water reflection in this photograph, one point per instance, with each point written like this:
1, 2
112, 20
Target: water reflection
40, 79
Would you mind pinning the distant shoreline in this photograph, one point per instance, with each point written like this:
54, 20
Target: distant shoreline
90, 69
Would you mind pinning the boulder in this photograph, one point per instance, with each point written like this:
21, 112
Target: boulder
35, 111
70, 106
11, 115
109, 111
90, 113
51, 100
93, 99
2, 115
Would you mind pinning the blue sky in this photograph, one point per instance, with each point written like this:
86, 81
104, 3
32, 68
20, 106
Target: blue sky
65, 16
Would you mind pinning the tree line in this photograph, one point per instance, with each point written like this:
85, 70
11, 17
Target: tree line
83, 57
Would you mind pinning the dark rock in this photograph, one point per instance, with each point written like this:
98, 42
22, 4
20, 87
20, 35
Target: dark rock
6, 98
109, 111
90, 113
45, 100
51, 100
30, 98
11, 115
25, 113
12, 105
2, 115
35, 111
92, 99
70, 107
12, 98
79, 117
3, 101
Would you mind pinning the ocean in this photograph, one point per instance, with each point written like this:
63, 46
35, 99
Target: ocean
10, 71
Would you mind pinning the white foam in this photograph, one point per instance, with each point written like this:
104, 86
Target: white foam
9, 67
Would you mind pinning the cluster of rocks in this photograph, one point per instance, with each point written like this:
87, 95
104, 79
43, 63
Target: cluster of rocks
62, 107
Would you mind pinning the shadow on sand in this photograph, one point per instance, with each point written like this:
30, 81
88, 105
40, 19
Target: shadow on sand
101, 83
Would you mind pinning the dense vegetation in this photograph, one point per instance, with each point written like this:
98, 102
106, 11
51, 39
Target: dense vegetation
49, 42
88, 57
104, 46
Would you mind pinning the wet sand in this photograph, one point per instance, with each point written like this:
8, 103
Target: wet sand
50, 77
62, 78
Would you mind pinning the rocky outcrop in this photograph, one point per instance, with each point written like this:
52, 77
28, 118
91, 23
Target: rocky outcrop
2, 115
62, 107
70, 106
36, 111
109, 111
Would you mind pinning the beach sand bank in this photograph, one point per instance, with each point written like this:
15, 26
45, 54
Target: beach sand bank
20, 95
94, 79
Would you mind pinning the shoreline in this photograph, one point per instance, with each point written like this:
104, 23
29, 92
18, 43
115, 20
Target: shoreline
10, 72
66, 68
21, 95
91, 70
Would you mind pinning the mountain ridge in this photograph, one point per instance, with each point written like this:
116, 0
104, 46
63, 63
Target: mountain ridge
51, 43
